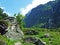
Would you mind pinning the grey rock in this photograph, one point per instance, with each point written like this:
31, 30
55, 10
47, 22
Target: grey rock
3, 27
14, 32
18, 43
34, 41
32, 32
39, 42
2, 42
46, 35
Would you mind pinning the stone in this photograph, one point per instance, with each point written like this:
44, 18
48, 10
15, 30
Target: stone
34, 41
32, 32
2, 42
18, 43
39, 42
46, 35
30, 39
14, 32
3, 27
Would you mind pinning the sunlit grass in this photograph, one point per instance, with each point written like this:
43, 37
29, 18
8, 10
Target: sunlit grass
55, 37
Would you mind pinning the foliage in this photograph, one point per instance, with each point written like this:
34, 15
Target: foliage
19, 19
1, 10
2, 14
5, 39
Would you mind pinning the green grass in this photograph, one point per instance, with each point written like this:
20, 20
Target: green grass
53, 32
55, 37
8, 41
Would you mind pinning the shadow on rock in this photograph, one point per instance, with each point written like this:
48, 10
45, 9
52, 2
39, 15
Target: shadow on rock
34, 41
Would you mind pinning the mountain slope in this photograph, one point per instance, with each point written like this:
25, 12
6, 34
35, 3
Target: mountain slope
44, 16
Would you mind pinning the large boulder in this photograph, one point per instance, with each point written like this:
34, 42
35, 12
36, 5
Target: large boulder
34, 41
14, 32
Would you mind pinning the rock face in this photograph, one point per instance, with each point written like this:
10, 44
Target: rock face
3, 27
44, 16
14, 32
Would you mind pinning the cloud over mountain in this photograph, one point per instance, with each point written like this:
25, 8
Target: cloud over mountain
34, 4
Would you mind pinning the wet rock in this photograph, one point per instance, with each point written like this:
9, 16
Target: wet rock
3, 43
32, 32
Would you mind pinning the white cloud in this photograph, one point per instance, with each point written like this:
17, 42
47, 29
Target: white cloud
33, 5
9, 14
2, 7
5, 11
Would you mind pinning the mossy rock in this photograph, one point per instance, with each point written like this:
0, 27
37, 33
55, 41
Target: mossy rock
4, 22
2, 42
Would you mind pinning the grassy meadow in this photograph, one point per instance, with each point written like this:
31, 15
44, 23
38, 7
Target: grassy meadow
55, 40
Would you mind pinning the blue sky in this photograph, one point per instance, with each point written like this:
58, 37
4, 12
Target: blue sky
23, 6
13, 6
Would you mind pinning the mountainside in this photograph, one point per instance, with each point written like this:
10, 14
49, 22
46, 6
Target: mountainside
44, 16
